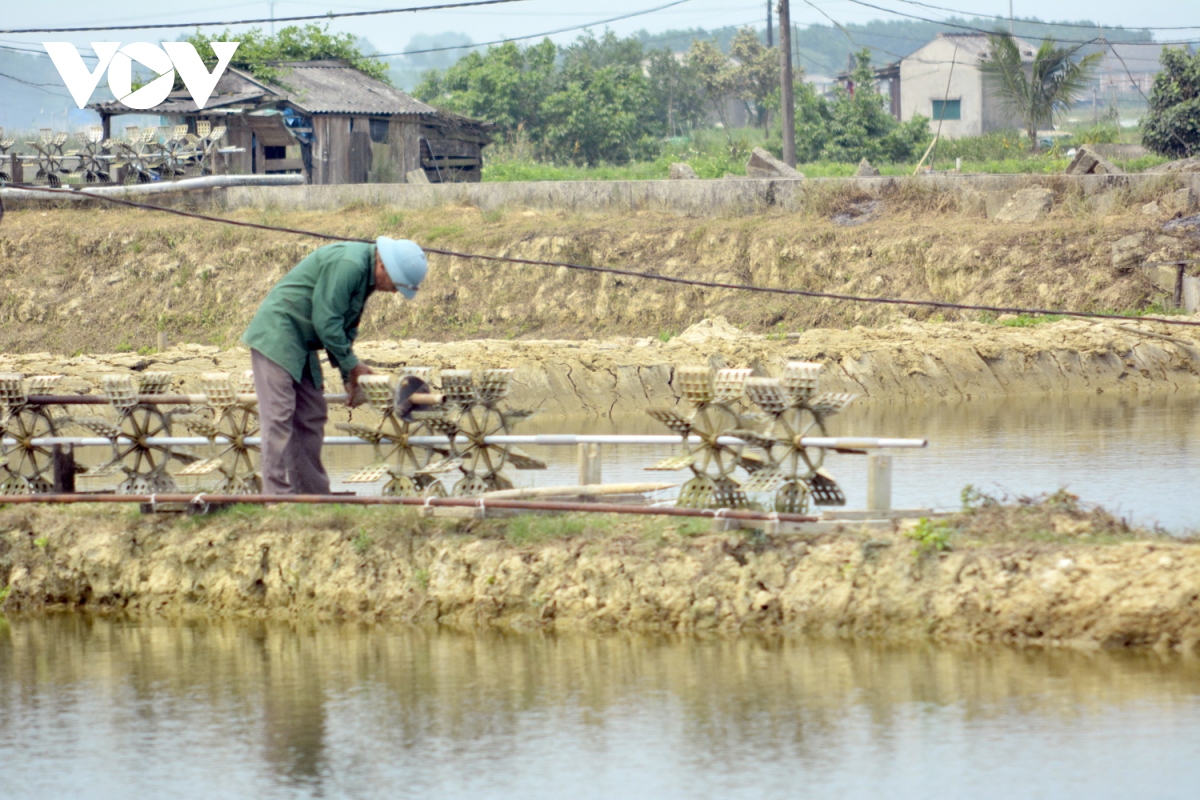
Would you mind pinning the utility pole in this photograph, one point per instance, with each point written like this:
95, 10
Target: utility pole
770, 37
272, 5
788, 111
1010, 18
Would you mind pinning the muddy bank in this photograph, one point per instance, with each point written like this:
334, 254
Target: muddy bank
901, 362
1085, 583
93, 280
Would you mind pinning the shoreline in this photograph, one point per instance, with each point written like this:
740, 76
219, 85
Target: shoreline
1073, 578
904, 362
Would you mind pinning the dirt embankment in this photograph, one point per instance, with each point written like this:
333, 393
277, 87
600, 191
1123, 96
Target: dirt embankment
93, 280
903, 361
602, 573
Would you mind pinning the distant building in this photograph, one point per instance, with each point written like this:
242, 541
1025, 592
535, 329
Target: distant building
1129, 69
328, 121
942, 81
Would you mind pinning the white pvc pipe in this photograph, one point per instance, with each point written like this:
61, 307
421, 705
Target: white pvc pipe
158, 187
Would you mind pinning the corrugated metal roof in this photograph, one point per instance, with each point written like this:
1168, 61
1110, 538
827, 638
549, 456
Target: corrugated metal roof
334, 87
180, 103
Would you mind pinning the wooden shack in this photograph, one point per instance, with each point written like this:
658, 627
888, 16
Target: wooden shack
328, 121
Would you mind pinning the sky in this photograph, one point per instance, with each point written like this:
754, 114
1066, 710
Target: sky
391, 33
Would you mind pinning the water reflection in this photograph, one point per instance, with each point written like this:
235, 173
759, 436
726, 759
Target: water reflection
100, 708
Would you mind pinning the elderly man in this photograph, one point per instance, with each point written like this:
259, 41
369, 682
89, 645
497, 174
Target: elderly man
317, 306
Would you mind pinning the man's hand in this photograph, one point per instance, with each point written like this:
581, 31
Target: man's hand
354, 397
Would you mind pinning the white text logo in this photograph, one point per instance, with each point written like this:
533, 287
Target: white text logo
119, 60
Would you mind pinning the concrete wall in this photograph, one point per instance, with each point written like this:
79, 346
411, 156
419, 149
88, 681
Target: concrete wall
697, 197
694, 197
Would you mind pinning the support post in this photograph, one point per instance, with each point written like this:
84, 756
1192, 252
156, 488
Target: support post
589, 464
788, 110
63, 459
162, 341
879, 482
1178, 299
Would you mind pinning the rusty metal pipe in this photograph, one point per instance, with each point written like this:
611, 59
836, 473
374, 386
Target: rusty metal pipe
200, 500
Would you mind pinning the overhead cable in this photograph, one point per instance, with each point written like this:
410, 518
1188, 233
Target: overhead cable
1052, 24
986, 31
532, 35
261, 20
629, 273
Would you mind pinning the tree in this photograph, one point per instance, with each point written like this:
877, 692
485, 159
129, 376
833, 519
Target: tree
756, 77
1035, 91
507, 86
854, 126
676, 96
1171, 127
715, 76
258, 52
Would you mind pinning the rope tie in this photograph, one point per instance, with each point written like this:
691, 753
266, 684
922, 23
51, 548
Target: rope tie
200, 503
153, 503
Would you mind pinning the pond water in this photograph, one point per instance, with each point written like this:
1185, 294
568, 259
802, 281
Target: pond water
105, 709
1136, 456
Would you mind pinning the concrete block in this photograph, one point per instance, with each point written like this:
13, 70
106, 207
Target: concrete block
1128, 251
1027, 205
764, 165
865, 169
1179, 202
682, 172
1089, 162
417, 176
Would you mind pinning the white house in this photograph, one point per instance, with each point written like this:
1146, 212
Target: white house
942, 81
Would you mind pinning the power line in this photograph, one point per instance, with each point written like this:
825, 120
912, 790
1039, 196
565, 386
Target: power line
532, 35
985, 31
39, 86
896, 301
1055, 24
305, 18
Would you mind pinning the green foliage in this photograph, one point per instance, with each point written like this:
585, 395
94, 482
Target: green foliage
1029, 320
756, 74
1035, 92
532, 529
421, 576
363, 541
4, 592
855, 125
259, 52
593, 105
41, 542
1171, 126
1100, 133
973, 499
931, 536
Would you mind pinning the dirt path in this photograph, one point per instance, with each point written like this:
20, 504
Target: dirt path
902, 362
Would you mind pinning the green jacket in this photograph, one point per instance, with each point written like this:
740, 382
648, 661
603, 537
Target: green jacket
316, 306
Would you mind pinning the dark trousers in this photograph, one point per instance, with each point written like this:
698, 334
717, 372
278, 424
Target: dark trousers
292, 418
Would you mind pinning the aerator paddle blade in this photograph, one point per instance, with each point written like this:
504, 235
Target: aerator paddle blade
405, 389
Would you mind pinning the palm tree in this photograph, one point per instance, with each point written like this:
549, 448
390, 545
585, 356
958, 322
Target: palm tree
1034, 91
